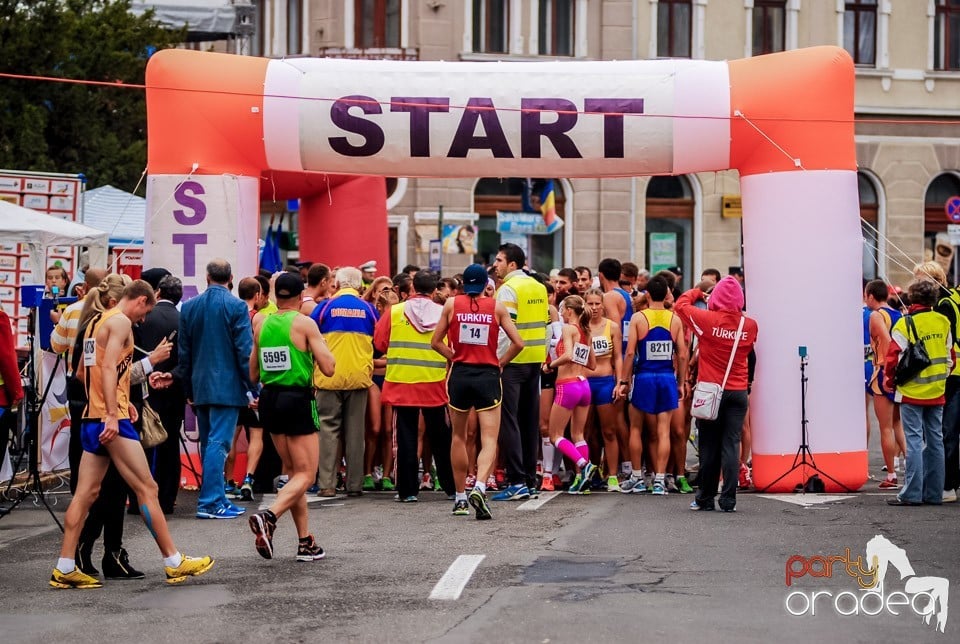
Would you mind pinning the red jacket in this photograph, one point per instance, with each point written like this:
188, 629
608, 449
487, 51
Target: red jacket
716, 331
12, 390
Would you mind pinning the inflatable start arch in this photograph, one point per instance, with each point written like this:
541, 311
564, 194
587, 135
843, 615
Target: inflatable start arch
227, 131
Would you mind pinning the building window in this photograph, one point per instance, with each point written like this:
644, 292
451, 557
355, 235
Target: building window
946, 38
674, 28
490, 26
377, 23
669, 224
860, 31
937, 244
556, 27
294, 26
769, 26
869, 211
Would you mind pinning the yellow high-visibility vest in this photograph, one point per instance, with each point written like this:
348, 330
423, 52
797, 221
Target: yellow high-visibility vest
410, 359
932, 331
533, 316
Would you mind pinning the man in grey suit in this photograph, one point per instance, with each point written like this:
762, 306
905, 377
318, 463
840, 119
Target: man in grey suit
214, 364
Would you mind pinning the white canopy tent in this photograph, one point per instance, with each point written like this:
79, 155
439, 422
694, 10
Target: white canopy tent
118, 213
40, 231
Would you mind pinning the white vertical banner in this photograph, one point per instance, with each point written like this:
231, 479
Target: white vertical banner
54, 414
192, 220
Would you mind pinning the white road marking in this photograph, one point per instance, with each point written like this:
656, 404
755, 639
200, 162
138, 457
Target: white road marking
267, 500
806, 500
534, 504
455, 579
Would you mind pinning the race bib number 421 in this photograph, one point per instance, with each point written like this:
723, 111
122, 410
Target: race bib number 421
275, 358
581, 354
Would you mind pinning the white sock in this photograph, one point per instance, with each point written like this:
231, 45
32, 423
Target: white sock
66, 566
173, 560
659, 477
548, 454
461, 496
581, 462
626, 467
636, 475
481, 485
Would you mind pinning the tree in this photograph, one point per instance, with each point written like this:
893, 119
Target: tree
66, 127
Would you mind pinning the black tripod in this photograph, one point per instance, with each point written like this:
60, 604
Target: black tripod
804, 457
32, 406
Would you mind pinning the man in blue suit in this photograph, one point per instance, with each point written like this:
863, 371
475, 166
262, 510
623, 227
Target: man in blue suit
214, 364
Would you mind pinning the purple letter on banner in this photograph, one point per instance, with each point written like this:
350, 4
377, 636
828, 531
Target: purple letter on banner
190, 242
531, 127
184, 197
341, 117
481, 109
613, 110
419, 108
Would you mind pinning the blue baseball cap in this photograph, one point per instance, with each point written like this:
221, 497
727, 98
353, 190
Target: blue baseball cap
474, 279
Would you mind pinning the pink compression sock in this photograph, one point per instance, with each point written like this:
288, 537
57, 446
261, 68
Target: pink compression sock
570, 451
584, 450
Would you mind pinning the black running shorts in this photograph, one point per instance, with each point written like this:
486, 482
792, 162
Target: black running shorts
471, 385
288, 410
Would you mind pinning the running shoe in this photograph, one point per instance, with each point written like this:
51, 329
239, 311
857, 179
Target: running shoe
889, 484
479, 502
387, 485
631, 485
246, 490
73, 579
492, 484
369, 485
547, 484
588, 471
613, 484
116, 565
683, 485
280, 481
500, 475
189, 567
313, 489
658, 488
471, 481
263, 527
461, 509
235, 508
670, 482
949, 496
576, 485
221, 512
407, 499
231, 490
426, 483
512, 493
696, 507
309, 550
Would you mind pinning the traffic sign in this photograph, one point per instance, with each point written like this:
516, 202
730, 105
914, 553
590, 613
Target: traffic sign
952, 208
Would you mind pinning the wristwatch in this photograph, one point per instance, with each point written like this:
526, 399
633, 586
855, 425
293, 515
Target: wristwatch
624, 382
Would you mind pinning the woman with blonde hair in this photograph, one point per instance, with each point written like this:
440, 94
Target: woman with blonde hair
932, 271
381, 294
103, 297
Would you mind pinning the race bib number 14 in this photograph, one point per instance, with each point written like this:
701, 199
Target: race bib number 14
474, 333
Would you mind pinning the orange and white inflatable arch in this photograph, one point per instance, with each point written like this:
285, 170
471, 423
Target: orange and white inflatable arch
226, 131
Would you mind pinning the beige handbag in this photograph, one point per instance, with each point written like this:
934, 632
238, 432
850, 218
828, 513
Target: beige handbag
152, 431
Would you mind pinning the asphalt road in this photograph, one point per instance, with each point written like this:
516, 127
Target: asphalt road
600, 568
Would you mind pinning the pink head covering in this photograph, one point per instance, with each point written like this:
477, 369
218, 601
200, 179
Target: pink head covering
727, 295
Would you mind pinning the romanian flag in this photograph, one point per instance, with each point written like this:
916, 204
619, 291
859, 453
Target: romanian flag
548, 207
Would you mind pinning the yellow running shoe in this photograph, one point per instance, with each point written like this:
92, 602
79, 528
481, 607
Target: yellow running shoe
73, 579
189, 567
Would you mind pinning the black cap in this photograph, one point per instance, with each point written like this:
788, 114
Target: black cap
474, 279
676, 270
288, 285
152, 276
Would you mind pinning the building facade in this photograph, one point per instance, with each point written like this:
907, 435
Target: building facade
907, 56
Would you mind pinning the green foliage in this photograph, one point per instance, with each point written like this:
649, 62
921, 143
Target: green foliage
62, 127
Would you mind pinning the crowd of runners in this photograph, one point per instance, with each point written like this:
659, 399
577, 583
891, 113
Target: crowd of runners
493, 385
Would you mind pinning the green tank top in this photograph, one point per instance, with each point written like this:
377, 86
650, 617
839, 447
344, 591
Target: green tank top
282, 363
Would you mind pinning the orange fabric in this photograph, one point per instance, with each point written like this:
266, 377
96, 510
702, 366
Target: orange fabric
803, 101
205, 108
849, 468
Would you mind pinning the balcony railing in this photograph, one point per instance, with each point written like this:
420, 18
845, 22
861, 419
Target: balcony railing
371, 53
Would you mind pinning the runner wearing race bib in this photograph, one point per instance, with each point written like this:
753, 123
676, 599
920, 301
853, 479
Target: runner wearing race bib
575, 358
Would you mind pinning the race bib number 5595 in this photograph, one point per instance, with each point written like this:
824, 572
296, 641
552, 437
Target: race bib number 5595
275, 358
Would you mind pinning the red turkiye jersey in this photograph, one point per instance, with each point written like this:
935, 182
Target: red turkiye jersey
474, 329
